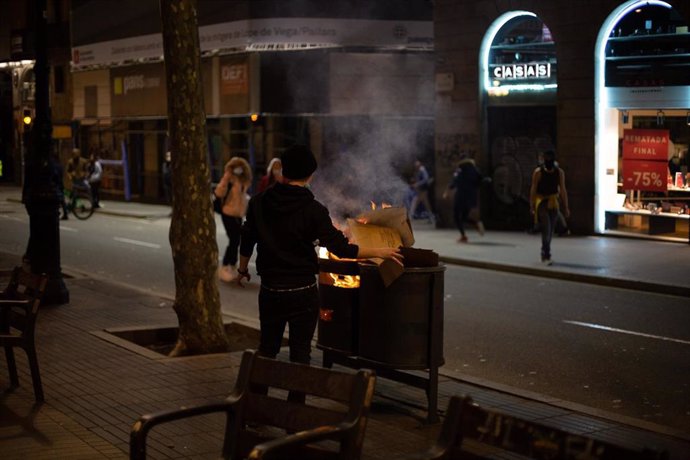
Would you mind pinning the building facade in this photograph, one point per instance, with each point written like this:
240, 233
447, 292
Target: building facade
352, 79
518, 77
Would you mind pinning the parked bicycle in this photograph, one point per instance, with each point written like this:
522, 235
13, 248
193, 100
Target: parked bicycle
80, 200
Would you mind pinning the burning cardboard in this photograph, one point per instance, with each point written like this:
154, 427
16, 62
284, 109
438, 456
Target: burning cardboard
392, 218
390, 227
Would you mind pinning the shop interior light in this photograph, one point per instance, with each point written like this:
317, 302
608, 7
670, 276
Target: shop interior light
660, 117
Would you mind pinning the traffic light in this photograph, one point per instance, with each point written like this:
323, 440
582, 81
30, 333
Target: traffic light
28, 116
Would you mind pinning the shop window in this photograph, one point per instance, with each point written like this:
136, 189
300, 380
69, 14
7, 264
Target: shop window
649, 47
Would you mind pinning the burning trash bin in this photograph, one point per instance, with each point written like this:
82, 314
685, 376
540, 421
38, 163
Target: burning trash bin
382, 316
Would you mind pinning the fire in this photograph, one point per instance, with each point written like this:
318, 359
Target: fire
383, 206
345, 281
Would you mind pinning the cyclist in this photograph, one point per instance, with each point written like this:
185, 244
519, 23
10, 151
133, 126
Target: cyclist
76, 169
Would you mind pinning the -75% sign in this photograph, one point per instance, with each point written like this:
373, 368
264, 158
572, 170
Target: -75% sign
644, 175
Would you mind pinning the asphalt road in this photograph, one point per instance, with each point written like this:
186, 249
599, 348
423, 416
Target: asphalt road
625, 352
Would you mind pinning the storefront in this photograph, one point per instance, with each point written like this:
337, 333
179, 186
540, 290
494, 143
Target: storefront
357, 87
643, 123
518, 81
582, 111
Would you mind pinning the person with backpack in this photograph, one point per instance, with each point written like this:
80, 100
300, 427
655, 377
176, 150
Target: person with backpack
547, 195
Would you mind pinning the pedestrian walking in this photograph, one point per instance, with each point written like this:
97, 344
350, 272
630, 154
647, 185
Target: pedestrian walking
284, 223
58, 180
274, 174
421, 185
466, 182
166, 173
547, 194
94, 171
232, 191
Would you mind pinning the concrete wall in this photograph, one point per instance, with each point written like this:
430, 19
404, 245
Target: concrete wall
460, 26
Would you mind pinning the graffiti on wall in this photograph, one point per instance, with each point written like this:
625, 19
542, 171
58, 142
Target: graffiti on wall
513, 160
451, 146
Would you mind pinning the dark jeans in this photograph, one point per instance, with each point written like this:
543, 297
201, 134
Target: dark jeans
547, 222
300, 310
461, 214
233, 227
96, 193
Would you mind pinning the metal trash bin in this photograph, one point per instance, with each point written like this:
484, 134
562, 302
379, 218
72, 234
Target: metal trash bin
393, 330
339, 284
401, 326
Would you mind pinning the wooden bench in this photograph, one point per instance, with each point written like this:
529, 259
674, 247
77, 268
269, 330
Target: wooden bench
19, 304
258, 406
472, 432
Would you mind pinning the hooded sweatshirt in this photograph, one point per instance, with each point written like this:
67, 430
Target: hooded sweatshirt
286, 222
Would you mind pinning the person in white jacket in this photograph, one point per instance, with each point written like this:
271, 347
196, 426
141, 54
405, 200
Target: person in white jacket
94, 176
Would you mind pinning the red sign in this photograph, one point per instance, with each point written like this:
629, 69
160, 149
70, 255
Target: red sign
645, 144
644, 175
234, 79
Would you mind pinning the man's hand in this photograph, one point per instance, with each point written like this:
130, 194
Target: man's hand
243, 273
391, 253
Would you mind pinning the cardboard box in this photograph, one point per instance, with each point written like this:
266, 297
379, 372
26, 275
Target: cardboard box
390, 227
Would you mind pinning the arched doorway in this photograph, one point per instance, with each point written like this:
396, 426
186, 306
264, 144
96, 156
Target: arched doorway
518, 85
642, 99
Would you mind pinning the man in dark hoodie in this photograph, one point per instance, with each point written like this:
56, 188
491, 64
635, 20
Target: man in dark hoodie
285, 222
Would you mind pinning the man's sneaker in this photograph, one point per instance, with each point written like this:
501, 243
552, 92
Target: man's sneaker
480, 228
227, 273
462, 239
546, 260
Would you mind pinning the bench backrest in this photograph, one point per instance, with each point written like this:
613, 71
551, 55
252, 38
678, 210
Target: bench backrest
24, 286
333, 398
470, 431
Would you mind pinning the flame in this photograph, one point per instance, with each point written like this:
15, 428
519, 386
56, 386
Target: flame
345, 281
383, 206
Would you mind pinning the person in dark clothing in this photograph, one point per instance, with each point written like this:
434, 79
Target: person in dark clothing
285, 222
58, 180
548, 186
166, 172
466, 182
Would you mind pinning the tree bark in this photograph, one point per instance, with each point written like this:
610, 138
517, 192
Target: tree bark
193, 228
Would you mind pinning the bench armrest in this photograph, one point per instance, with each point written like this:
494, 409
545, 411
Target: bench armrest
6, 306
268, 449
141, 428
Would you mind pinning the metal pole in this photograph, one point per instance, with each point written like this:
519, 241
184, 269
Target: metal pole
40, 193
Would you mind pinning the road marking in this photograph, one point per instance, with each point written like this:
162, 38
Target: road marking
623, 331
68, 229
137, 242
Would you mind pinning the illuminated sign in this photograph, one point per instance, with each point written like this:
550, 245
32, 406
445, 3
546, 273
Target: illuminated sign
522, 71
645, 144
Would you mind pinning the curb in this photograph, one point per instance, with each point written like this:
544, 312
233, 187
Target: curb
634, 285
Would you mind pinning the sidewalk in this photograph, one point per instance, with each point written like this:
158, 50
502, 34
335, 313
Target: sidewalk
96, 387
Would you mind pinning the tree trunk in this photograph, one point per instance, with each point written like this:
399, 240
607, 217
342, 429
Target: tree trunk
192, 228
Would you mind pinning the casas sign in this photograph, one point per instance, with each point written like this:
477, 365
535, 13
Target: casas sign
534, 70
